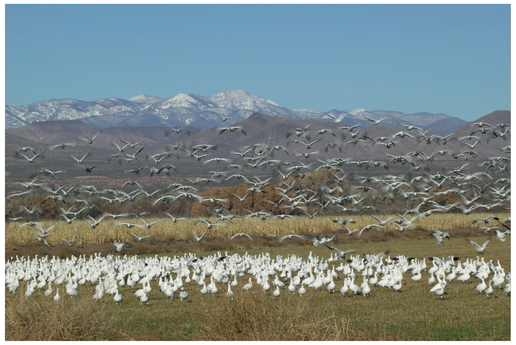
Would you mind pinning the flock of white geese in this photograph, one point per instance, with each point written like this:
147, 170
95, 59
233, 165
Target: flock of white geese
360, 275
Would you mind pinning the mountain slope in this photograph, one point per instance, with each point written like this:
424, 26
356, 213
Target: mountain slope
200, 111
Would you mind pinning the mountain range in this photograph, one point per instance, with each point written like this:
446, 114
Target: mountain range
205, 112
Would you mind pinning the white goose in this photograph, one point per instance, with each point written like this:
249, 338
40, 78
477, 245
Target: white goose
230, 293
302, 290
481, 287
183, 295
247, 286
276, 292
366, 290
489, 290
118, 297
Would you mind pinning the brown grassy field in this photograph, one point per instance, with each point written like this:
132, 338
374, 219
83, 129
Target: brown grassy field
412, 314
166, 230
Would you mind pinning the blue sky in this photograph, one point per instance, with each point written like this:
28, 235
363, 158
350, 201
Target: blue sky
452, 59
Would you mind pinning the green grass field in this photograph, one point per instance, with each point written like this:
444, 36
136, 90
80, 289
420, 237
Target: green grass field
412, 314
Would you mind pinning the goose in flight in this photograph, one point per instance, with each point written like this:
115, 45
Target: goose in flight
232, 129
172, 217
120, 149
67, 220
197, 238
241, 235
19, 194
440, 239
95, 222
80, 161
381, 222
281, 239
376, 122
148, 225
177, 131
72, 242
30, 160
340, 253
224, 118
25, 149
140, 238
90, 141
62, 145
337, 119
368, 227
131, 145
40, 239
502, 236
36, 209
47, 172
480, 250
45, 233
129, 225
208, 223
120, 245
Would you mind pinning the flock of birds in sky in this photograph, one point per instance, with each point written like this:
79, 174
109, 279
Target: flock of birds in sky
477, 190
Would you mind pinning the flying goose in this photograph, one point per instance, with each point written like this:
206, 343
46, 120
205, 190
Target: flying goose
140, 238
341, 254
480, 250
241, 235
72, 242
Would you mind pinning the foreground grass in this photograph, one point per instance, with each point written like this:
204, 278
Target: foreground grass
413, 314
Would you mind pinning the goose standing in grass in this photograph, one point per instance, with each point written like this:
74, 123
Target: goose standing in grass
291, 287
248, 285
431, 280
302, 290
366, 290
57, 297
276, 292
464, 277
118, 297
481, 287
440, 290
48, 292
507, 288
230, 293
489, 290
345, 287
183, 295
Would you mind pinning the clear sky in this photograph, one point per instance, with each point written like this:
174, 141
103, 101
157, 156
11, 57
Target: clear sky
452, 59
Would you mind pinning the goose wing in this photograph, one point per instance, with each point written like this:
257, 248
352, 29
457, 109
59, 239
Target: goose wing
486, 243
474, 243
335, 249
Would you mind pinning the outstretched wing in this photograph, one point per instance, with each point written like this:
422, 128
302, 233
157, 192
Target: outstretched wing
335, 249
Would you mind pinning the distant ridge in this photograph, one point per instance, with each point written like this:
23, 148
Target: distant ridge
203, 111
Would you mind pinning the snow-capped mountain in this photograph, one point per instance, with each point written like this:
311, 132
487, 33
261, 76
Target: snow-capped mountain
200, 111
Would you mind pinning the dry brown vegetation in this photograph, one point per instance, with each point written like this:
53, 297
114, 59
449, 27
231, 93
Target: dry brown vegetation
68, 320
167, 231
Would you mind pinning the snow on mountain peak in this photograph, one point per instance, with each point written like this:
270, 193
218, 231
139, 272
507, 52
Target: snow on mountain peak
144, 98
357, 111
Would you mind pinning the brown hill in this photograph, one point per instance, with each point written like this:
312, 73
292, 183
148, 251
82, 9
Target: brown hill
55, 132
259, 128
495, 118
